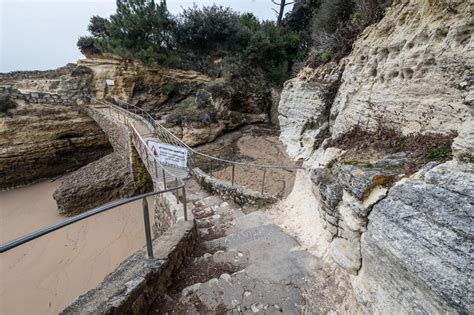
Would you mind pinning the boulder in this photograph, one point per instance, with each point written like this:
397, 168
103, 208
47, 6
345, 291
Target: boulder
95, 184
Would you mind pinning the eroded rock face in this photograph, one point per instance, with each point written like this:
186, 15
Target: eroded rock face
417, 251
304, 110
95, 184
410, 71
196, 107
41, 141
405, 241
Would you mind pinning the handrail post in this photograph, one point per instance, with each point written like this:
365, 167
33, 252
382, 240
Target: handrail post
185, 204
263, 181
146, 219
164, 179
177, 190
233, 172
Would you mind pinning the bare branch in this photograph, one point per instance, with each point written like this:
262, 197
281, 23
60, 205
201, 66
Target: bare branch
275, 11
274, 2
289, 3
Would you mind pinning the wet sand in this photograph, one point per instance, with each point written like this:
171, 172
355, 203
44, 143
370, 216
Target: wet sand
45, 275
257, 146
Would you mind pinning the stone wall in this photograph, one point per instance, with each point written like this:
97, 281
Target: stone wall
240, 196
36, 97
138, 281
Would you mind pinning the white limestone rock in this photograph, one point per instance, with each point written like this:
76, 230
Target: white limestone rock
406, 72
303, 110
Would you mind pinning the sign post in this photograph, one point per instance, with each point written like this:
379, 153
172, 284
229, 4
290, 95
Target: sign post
168, 154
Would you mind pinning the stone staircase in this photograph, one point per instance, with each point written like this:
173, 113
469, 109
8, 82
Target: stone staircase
243, 264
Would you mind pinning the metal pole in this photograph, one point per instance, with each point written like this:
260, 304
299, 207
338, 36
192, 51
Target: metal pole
146, 219
263, 181
164, 179
177, 191
185, 204
233, 172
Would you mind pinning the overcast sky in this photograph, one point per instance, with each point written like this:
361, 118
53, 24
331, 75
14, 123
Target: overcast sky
39, 34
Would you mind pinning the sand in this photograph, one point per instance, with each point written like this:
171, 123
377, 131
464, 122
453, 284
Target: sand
44, 276
261, 149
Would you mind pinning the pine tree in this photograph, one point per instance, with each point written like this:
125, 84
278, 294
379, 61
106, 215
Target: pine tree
139, 28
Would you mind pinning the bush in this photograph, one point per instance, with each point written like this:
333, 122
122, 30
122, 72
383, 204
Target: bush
86, 45
144, 30
209, 28
6, 103
98, 26
336, 25
274, 49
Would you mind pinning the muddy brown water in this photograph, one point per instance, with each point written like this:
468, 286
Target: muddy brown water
47, 274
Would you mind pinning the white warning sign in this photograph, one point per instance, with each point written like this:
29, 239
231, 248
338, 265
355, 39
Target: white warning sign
168, 154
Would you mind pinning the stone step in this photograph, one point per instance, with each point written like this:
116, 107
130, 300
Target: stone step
251, 220
239, 293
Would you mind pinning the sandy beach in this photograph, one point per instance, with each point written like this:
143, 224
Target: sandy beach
45, 275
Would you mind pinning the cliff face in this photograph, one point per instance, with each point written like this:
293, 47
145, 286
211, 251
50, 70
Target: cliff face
40, 141
377, 132
196, 107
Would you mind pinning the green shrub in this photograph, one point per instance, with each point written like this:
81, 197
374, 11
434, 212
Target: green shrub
98, 26
209, 28
327, 54
439, 153
337, 23
6, 103
144, 30
86, 45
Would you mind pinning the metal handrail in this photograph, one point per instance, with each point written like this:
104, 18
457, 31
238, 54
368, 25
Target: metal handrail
54, 227
152, 121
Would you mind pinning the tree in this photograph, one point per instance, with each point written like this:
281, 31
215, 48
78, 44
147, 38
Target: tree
282, 5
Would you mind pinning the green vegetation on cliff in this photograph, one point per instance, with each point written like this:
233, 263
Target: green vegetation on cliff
145, 30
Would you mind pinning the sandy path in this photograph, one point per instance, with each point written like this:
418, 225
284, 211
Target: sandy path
44, 276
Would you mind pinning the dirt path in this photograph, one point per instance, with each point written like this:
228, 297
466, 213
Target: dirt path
44, 276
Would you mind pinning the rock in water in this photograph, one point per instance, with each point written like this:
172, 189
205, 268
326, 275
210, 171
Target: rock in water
95, 184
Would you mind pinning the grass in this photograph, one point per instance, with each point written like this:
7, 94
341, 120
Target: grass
358, 163
439, 153
419, 148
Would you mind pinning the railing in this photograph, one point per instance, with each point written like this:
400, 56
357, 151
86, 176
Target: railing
198, 159
145, 154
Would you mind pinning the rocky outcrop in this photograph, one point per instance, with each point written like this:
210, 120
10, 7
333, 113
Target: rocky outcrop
42, 141
404, 239
196, 107
94, 185
304, 109
417, 251
410, 71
